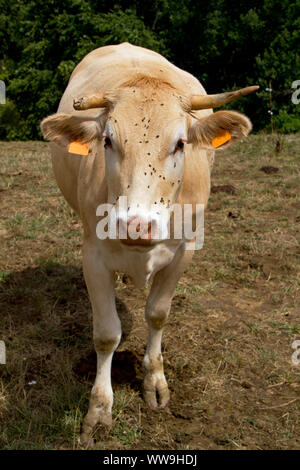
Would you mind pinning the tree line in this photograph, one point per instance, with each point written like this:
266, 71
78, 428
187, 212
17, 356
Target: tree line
226, 44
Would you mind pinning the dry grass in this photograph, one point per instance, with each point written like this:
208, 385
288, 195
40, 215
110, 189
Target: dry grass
227, 345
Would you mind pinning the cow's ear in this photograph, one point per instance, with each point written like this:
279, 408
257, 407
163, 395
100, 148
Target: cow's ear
219, 130
66, 129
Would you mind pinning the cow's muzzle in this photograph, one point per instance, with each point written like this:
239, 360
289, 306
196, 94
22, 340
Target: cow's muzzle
136, 231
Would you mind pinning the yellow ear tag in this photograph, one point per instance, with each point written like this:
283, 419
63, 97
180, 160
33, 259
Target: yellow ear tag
221, 139
78, 148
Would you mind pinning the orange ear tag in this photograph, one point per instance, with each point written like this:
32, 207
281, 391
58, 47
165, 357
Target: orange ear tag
221, 139
78, 148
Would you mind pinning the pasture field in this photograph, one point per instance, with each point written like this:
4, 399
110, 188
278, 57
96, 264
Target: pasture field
228, 341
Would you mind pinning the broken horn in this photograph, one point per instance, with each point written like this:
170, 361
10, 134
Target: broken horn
87, 102
213, 101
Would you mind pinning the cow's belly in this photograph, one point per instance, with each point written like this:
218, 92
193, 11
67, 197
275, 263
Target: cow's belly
138, 263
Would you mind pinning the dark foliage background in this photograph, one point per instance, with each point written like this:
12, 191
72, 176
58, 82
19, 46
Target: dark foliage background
226, 44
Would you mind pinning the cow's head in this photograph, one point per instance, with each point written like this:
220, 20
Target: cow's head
145, 127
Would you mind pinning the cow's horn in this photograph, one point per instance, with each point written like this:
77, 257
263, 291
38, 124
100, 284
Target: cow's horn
87, 102
213, 101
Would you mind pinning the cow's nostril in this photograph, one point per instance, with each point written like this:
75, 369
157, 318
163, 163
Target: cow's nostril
135, 230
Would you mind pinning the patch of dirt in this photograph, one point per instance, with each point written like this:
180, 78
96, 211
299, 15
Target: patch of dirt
225, 188
234, 214
126, 368
269, 170
270, 266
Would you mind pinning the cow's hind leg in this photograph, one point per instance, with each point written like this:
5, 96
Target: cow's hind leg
156, 313
106, 334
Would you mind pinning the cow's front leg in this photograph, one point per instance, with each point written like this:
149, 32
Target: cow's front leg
106, 335
156, 313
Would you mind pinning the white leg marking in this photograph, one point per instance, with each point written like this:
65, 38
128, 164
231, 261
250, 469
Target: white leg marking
107, 334
157, 311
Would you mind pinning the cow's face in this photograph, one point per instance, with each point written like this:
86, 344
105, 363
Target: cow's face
145, 131
144, 139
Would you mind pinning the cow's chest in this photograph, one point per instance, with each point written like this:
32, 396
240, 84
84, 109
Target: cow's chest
139, 264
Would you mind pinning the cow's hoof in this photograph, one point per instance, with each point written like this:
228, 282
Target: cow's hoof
87, 441
90, 422
151, 400
156, 392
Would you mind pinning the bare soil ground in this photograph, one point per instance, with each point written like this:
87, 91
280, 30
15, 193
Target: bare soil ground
228, 342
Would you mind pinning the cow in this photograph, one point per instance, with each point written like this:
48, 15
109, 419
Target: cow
132, 125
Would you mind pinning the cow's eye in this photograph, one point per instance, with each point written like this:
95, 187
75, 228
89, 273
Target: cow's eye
107, 142
179, 146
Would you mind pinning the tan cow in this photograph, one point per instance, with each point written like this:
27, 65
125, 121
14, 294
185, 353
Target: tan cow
145, 130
